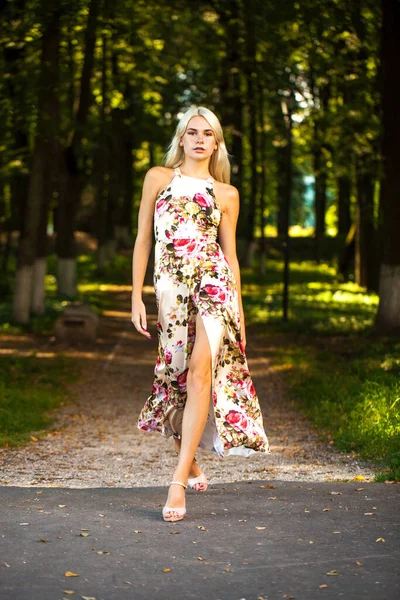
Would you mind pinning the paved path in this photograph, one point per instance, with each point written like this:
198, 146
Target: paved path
242, 540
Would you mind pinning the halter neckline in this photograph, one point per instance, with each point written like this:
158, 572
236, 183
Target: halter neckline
180, 174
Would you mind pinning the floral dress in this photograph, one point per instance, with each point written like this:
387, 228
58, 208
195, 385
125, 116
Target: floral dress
191, 276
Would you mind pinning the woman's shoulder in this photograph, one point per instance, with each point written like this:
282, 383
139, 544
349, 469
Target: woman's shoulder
159, 173
226, 193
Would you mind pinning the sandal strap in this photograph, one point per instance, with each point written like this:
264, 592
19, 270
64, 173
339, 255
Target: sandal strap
179, 483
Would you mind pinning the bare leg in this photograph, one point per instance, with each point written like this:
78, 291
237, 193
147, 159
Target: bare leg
195, 413
195, 469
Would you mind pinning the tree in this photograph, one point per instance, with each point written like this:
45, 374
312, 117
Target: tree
388, 316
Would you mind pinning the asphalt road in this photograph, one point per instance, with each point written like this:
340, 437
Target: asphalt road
258, 540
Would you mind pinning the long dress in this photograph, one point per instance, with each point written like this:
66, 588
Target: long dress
192, 275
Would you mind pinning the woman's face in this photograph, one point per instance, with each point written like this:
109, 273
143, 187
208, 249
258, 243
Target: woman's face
198, 141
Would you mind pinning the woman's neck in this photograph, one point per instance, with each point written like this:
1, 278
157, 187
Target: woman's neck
196, 168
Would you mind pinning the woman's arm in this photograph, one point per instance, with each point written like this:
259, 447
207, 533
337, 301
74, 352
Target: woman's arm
151, 185
229, 202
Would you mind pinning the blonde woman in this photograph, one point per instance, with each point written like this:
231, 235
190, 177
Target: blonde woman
202, 393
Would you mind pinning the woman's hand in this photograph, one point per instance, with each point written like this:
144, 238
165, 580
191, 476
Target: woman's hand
139, 317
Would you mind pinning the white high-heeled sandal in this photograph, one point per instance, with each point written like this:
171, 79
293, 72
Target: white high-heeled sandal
180, 512
192, 481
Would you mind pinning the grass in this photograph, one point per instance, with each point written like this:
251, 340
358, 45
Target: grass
345, 378
30, 387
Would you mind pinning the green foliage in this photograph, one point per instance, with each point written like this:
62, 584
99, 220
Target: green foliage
30, 387
351, 391
318, 303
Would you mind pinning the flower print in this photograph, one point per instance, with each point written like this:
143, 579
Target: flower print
184, 247
161, 206
215, 292
202, 200
237, 419
182, 380
246, 387
214, 397
159, 391
192, 208
178, 347
168, 357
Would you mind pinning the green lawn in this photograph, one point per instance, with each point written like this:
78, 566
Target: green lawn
346, 379
30, 387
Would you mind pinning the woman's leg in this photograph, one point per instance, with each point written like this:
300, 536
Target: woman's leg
195, 469
195, 413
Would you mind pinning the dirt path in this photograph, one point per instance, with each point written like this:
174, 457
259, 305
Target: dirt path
96, 443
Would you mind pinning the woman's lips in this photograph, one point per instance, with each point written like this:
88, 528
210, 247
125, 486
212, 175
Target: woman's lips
199, 149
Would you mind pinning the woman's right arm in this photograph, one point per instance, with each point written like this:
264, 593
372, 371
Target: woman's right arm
142, 248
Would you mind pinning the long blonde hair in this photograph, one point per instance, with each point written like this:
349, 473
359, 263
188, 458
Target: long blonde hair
219, 166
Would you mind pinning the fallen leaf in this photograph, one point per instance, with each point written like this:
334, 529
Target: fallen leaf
70, 574
335, 493
305, 510
166, 570
325, 509
336, 532
200, 558
201, 527
333, 572
174, 532
69, 592
88, 598
62, 505
359, 478
101, 515
84, 529
103, 552
259, 528
137, 531
227, 569
6, 564
83, 534
380, 540
268, 487
43, 540
369, 514
33, 438
242, 520
324, 585
358, 563
271, 498
41, 492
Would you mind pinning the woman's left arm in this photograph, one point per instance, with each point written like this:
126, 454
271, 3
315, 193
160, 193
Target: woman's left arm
229, 202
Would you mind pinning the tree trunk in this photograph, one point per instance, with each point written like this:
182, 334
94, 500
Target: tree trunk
43, 151
344, 196
388, 316
365, 229
72, 177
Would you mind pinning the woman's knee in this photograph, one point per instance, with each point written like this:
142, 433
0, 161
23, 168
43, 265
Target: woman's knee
199, 377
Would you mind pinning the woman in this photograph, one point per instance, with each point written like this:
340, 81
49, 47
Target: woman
202, 392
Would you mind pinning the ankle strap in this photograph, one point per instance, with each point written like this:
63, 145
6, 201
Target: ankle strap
179, 483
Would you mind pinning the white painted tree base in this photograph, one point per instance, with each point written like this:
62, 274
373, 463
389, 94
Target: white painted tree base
38, 286
66, 277
22, 294
388, 317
